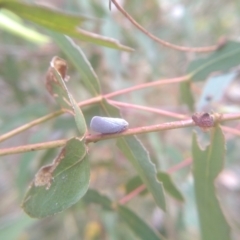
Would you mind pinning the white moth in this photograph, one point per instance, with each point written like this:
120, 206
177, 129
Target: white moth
107, 125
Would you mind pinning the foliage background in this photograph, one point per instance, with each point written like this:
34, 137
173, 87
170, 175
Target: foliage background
23, 98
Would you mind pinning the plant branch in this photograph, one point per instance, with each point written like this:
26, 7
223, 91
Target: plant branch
226, 117
132, 194
29, 125
179, 166
97, 137
164, 43
148, 109
149, 84
89, 102
141, 130
33, 147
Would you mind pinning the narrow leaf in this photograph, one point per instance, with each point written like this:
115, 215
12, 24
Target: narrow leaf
139, 157
44, 16
93, 196
87, 36
207, 164
169, 186
79, 60
214, 89
19, 29
60, 22
61, 184
220, 61
55, 83
138, 226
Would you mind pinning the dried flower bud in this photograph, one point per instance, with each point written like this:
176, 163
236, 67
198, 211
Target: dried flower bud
61, 66
204, 120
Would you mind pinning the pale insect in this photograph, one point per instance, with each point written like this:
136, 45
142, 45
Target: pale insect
106, 125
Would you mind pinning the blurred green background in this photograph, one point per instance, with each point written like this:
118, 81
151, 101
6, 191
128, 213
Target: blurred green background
24, 60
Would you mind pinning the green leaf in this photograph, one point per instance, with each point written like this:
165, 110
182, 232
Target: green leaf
16, 27
60, 185
62, 94
207, 164
87, 36
44, 16
60, 22
214, 89
221, 60
163, 177
134, 183
186, 96
138, 226
79, 60
141, 229
139, 157
93, 196
169, 186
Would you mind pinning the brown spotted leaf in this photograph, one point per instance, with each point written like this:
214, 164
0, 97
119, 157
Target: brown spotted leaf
60, 185
56, 85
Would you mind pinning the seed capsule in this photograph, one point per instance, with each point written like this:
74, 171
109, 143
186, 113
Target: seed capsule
107, 125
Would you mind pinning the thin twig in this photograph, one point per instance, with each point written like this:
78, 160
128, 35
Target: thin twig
232, 116
29, 125
44, 119
33, 147
148, 109
89, 102
164, 43
97, 137
149, 84
141, 130
132, 194
179, 166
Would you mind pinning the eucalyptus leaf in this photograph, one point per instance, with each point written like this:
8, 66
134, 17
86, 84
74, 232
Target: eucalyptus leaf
136, 224
214, 90
139, 157
207, 164
141, 229
60, 22
44, 16
19, 29
169, 186
221, 60
79, 60
93, 196
64, 97
67, 183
